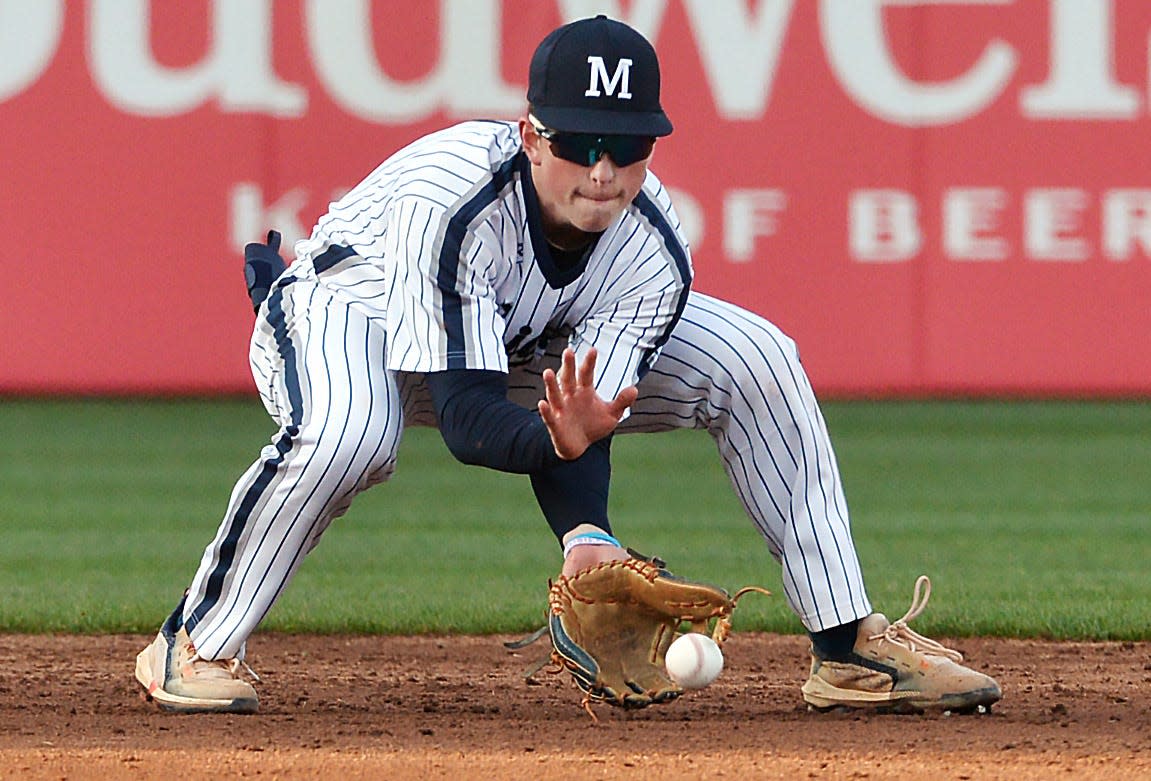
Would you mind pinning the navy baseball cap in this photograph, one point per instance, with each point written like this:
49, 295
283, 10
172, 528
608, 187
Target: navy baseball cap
598, 76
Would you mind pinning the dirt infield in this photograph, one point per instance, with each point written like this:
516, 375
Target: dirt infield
429, 708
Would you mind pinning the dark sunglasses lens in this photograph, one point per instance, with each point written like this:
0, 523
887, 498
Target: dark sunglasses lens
576, 148
625, 150
586, 149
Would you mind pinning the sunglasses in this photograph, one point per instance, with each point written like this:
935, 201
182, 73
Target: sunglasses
587, 148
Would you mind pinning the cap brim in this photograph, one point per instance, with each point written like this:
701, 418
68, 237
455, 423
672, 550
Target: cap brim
620, 123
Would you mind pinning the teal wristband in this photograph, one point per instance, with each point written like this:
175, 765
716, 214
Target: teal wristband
590, 538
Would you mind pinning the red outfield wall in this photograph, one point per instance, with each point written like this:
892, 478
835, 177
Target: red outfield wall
931, 197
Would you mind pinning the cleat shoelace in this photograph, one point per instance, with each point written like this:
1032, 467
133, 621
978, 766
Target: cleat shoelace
899, 633
218, 668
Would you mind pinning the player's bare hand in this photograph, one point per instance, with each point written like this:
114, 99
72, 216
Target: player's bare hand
572, 410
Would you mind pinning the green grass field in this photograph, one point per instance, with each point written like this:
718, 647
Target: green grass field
1032, 518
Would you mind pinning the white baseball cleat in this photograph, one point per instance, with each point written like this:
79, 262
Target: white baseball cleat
894, 668
177, 679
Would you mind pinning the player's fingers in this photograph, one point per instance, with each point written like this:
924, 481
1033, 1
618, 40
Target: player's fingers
546, 412
587, 369
552, 390
625, 399
568, 370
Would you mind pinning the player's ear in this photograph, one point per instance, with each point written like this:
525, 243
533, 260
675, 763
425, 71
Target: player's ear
532, 143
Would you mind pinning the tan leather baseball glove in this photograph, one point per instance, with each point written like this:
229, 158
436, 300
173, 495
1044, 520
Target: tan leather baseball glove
611, 625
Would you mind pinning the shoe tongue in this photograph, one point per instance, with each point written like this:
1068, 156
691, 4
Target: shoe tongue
216, 669
872, 625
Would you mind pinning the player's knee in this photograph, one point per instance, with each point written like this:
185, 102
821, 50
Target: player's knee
355, 447
758, 381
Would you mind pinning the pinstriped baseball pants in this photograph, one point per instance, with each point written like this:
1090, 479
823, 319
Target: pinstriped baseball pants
319, 364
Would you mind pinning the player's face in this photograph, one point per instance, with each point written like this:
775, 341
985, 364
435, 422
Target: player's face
575, 198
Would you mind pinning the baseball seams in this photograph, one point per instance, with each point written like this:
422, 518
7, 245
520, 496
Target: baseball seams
694, 660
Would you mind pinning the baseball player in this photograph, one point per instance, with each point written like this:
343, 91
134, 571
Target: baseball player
526, 287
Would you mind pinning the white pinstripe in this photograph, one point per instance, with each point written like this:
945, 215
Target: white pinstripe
338, 355
621, 304
736, 375
344, 429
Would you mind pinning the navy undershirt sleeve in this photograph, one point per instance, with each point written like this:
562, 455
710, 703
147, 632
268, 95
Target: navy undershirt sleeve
575, 492
482, 427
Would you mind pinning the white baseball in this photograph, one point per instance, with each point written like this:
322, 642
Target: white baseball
693, 660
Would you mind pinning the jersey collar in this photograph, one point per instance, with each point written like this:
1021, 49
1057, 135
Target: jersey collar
557, 277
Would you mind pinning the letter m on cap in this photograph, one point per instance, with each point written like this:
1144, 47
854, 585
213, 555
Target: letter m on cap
619, 80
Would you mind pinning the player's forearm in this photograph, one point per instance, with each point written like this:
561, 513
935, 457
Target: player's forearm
482, 428
572, 493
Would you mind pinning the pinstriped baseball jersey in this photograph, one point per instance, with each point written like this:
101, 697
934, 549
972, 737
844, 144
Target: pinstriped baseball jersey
435, 262
451, 254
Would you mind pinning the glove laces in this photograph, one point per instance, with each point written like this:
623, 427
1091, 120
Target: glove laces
900, 633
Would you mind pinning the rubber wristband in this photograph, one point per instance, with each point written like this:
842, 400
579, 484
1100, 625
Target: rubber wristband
590, 538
